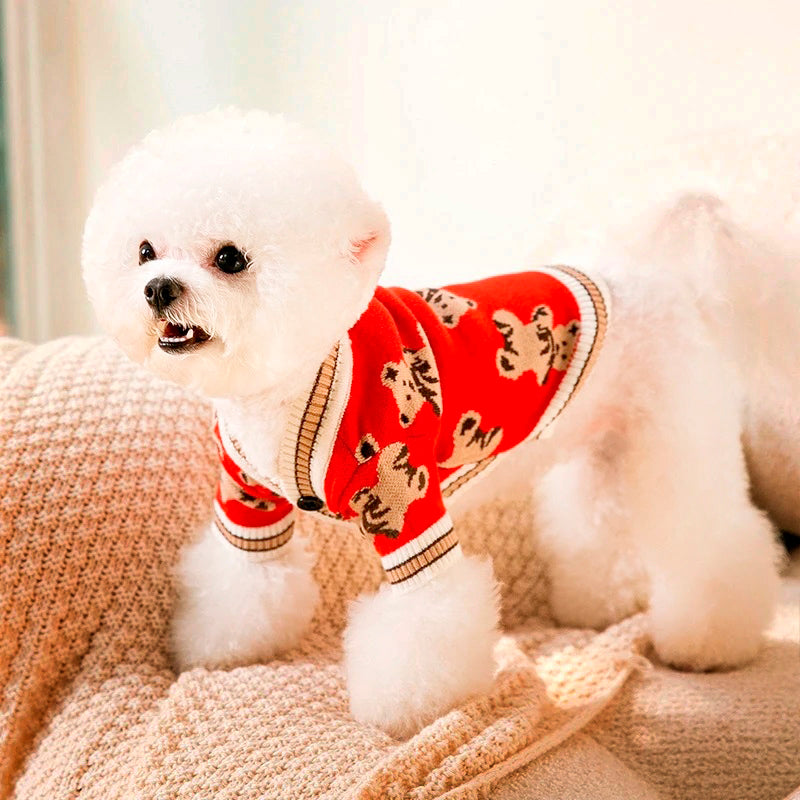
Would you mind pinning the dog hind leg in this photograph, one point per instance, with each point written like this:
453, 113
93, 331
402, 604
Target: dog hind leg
711, 556
582, 530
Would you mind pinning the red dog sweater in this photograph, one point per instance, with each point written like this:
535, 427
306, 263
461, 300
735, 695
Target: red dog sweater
420, 396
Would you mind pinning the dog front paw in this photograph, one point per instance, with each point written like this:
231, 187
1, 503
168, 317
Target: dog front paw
411, 657
234, 610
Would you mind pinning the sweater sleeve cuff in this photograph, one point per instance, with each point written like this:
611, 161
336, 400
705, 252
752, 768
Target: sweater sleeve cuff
270, 538
424, 557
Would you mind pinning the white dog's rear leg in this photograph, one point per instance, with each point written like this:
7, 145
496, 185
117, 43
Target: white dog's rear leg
582, 526
710, 554
658, 506
236, 607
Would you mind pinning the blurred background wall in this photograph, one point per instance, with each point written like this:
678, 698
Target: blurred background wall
471, 121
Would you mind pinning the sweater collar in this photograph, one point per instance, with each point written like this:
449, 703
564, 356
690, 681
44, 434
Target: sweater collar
311, 429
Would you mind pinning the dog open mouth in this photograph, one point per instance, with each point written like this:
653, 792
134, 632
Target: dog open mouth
179, 339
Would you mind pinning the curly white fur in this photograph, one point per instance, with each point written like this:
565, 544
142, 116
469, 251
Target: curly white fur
236, 608
411, 657
646, 498
642, 492
194, 187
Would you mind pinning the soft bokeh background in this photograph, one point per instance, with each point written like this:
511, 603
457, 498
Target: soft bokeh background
472, 121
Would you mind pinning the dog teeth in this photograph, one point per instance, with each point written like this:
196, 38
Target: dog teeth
178, 339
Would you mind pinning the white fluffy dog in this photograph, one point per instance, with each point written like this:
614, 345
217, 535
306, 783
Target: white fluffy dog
231, 252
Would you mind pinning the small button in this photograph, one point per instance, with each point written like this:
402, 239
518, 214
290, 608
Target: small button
309, 502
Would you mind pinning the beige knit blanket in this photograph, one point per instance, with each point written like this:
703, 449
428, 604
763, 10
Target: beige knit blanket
104, 473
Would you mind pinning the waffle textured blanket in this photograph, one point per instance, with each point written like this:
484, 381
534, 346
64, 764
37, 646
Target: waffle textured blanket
105, 473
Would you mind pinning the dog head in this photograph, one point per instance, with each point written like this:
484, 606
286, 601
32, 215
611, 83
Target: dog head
231, 249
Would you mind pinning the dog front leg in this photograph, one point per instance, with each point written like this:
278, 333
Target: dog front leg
237, 607
412, 653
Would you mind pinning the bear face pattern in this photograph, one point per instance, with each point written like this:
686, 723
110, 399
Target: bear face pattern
536, 346
413, 381
382, 508
470, 442
230, 490
449, 307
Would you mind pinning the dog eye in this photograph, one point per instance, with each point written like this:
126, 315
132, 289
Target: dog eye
229, 259
146, 252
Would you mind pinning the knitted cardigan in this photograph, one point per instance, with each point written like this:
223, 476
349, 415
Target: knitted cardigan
421, 395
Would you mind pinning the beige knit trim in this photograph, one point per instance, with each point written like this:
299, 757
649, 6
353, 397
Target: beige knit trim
593, 303
310, 423
601, 312
415, 564
255, 545
302, 431
459, 480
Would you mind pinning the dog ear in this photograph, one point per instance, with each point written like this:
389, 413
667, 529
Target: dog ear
368, 238
361, 247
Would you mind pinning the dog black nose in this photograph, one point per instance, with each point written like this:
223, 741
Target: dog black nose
160, 292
